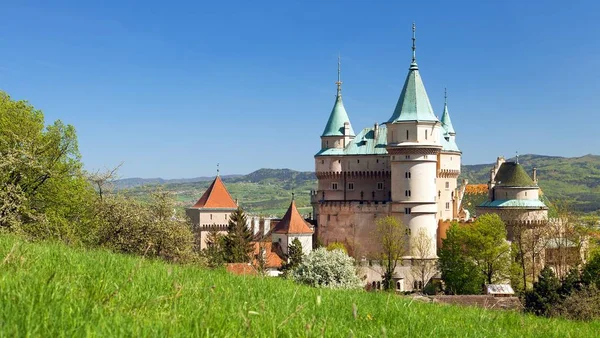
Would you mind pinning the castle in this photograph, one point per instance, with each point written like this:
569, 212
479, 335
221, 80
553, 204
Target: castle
406, 167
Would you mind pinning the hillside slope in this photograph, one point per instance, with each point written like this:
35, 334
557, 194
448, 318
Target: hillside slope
51, 290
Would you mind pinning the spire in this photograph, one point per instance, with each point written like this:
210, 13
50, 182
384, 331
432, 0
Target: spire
413, 64
446, 122
217, 169
413, 104
339, 81
338, 116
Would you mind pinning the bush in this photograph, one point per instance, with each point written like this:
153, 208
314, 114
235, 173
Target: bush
582, 304
328, 269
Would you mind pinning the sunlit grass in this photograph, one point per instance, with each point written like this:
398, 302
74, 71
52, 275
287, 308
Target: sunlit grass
52, 290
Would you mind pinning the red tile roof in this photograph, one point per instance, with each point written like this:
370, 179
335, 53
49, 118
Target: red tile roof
216, 196
273, 260
240, 269
292, 222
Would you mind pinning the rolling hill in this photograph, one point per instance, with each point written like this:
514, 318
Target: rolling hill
268, 191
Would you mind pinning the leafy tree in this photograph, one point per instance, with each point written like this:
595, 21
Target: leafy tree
337, 246
591, 271
459, 272
294, 258
544, 295
475, 254
327, 269
581, 304
237, 243
42, 188
390, 235
214, 248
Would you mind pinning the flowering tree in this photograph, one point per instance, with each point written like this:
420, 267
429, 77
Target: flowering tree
327, 269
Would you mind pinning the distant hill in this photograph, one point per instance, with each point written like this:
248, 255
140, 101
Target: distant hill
268, 191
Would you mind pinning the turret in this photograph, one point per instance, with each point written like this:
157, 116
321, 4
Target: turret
413, 145
338, 132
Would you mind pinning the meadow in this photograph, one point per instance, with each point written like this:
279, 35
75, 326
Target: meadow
51, 290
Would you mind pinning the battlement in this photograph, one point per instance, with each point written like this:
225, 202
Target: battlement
354, 206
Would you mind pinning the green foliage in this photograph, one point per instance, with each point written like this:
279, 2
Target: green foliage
43, 192
390, 235
474, 255
459, 272
581, 304
591, 270
128, 226
214, 251
544, 295
52, 290
237, 246
327, 269
295, 257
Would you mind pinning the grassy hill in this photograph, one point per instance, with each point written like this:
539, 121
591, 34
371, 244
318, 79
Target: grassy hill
52, 290
268, 191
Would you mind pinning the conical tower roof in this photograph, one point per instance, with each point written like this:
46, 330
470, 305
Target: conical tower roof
446, 122
216, 196
512, 174
292, 222
413, 104
338, 116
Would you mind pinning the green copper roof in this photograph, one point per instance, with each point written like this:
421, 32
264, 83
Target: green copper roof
365, 143
448, 142
536, 204
446, 122
338, 116
413, 104
335, 124
512, 174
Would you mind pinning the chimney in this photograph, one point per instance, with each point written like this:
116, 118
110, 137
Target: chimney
534, 175
346, 129
375, 131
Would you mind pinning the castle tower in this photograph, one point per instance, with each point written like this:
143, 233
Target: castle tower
292, 226
338, 131
449, 161
413, 143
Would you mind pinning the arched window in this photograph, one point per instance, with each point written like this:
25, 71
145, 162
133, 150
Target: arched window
398, 286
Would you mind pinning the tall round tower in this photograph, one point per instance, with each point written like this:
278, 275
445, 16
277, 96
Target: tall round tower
413, 144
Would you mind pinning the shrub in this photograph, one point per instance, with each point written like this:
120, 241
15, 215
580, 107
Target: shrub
328, 269
581, 304
337, 246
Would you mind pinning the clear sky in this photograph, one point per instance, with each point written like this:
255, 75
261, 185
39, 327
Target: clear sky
171, 88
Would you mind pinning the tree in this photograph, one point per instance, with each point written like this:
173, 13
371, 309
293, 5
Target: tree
327, 269
591, 270
214, 248
476, 253
294, 258
390, 235
43, 192
424, 265
237, 242
459, 272
544, 295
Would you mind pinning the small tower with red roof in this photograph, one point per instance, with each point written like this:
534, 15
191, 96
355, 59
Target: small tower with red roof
293, 226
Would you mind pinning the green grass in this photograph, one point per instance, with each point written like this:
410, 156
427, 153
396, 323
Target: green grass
51, 290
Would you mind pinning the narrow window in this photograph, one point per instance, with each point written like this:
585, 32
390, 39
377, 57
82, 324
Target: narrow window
377, 161
362, 195
357, 161
328, 218
447, 205
211, 216
334, 186
373, 195
447, 185
407, 134
439, 194
351, 186
379, 185
425, 134
409, 193
526, 194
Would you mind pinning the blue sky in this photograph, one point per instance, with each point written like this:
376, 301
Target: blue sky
172, 88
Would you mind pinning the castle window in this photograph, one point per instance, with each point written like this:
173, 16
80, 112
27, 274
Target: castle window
439, 194
407, 134
407, 157
334, 186
379, 185
362, 195
407, 232
407, 211
328, 218
377, 161
447, 185
357, 161
327, 144
407, 174
373, 195
425, 134
322, 161
323, 195
526, 194
351, 186
447, 205
211, 216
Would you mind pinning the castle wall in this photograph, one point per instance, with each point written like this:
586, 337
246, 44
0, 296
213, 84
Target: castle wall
513, 193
